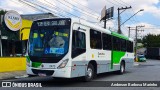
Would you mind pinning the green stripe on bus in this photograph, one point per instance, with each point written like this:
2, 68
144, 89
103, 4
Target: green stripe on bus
28, 59
36, 64
116, 57
120, 36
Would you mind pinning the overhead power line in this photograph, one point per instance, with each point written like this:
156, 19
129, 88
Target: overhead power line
84, 10
124, 3
112, 3
28, 5
121, 4
41, 5
34, 5
152, 28
69, 12
57, 8
76, 1
63, 10
118, 2
77, 9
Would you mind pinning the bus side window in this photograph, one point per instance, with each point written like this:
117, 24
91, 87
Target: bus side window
129, 46
78, 43
95, 39
116, 43
123, 45
107, 43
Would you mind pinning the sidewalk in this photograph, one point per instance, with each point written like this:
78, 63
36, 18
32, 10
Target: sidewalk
136, 63
11, 75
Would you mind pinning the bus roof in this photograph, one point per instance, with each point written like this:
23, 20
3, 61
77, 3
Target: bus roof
119, 35
96, 27
83, 22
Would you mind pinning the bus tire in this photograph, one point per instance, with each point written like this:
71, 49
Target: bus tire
122, 68
89, 73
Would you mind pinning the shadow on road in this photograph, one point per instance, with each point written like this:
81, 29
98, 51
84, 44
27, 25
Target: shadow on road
63, 82
109, 74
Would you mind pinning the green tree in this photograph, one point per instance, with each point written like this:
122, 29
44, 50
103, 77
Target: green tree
139, 40
151, 40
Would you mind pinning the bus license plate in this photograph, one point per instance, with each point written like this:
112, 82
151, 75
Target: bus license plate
42, 74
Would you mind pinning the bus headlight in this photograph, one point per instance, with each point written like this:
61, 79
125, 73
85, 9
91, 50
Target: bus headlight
63, 64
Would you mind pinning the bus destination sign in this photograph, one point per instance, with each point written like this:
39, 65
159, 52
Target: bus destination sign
53, 23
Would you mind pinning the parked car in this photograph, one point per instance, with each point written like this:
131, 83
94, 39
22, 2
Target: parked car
141, 58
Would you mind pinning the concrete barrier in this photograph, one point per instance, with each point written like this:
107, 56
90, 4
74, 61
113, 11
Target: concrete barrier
12, 64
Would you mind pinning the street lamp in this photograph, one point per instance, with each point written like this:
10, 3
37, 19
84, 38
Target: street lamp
132, 16
141, 10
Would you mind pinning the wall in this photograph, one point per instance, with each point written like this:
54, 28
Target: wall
16, 63
12, 64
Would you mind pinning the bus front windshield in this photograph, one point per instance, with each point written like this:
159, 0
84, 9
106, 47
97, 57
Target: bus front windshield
49, 38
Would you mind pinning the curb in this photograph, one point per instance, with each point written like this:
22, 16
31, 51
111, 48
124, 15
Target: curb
12, 75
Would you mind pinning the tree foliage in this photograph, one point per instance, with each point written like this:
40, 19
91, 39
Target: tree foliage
2, 12
151, 40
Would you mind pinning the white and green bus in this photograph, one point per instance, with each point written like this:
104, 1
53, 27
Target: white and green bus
70, 47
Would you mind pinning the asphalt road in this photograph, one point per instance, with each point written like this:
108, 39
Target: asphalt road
145, 71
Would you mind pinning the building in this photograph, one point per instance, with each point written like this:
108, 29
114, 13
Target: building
14, 43
34, 17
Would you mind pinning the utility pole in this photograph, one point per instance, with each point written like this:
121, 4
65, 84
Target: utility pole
136, 36
136, 39
119, 21
119, 27
105, 21
129, 32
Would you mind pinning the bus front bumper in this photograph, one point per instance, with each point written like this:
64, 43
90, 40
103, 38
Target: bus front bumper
62, 73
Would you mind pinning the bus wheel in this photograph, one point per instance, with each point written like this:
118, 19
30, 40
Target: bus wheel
89, 73
122, 68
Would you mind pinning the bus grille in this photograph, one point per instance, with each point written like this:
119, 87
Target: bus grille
47, 72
